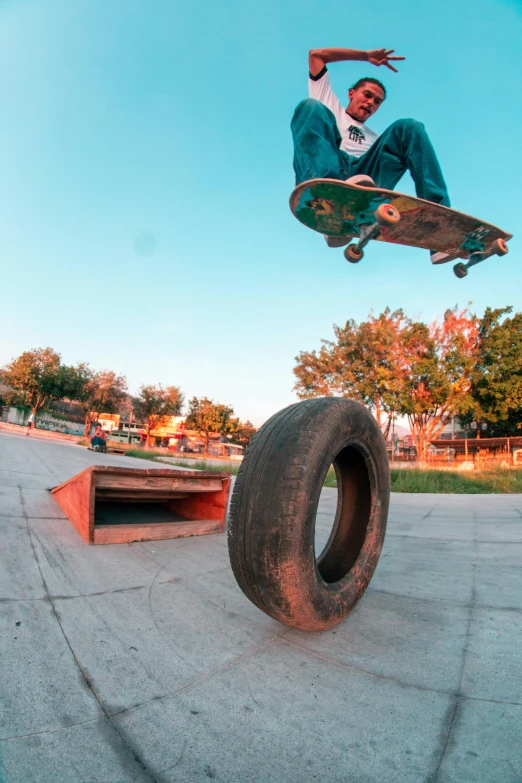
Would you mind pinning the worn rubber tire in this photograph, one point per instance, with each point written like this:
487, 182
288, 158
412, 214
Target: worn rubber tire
273, 508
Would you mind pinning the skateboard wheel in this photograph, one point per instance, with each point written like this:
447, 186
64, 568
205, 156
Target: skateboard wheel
353, 254
386, 215
460, 270
500, 247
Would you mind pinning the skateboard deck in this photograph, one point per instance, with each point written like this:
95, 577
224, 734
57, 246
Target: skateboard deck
337, 209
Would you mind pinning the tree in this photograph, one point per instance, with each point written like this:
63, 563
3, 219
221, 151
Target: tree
96, 392
496, 380
244, 434
206, 416
361, 364
395, 365
37, 376
436, 364
9, 396
75, 380
155, 406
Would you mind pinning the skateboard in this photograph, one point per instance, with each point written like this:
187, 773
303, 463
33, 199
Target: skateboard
337, 209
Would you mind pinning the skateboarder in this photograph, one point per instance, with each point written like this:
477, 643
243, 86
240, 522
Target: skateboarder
333, 142
98, 440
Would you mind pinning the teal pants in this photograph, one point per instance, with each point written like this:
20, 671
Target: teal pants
404, 146
96, 441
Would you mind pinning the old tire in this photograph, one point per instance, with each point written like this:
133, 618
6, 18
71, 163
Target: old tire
273, 508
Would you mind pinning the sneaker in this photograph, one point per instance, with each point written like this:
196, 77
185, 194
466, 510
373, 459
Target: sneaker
337, 241
439, 258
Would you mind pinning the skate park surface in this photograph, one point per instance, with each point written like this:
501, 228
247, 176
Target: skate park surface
145, 661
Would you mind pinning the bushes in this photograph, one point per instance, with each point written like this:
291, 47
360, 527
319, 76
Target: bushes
447, 482
141, 454
476, 482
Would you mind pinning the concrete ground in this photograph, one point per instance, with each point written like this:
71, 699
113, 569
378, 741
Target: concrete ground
145, 662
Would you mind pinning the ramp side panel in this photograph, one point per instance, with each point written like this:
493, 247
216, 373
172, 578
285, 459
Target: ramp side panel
76, 498
211, 505
154, 531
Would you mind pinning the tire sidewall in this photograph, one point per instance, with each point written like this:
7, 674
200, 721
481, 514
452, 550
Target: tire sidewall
346, 423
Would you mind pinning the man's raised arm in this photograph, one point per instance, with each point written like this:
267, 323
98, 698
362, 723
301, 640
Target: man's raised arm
318, 58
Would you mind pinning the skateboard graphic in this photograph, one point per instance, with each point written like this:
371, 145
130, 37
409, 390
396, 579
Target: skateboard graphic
337, 209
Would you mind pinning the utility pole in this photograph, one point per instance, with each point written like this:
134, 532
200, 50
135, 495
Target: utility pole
128, 426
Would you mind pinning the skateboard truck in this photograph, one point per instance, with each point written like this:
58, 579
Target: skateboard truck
498, 248
385, 215
357, 214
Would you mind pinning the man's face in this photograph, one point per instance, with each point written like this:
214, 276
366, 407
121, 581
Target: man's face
364, 101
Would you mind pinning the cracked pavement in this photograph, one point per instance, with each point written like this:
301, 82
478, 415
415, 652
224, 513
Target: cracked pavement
145, 662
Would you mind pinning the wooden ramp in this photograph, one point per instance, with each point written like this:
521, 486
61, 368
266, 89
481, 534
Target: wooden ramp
119, 505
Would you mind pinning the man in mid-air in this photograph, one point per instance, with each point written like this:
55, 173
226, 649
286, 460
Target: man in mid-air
333, 142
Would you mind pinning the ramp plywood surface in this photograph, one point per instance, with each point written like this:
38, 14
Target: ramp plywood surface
187, 503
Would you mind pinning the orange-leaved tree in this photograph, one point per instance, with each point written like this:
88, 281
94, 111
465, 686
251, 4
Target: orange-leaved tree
362, 363
435, 369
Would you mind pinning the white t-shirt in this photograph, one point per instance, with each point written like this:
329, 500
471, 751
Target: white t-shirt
356, 137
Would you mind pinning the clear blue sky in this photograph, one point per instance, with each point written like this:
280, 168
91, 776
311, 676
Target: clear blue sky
146, 165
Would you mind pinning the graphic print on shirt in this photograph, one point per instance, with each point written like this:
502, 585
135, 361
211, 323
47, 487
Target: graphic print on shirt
356, 134
356, 138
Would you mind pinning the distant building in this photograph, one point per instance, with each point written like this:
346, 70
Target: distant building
226, 449
453, 429
174, 436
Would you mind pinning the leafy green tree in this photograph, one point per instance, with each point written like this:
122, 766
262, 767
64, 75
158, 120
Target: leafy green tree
206, 417
9, 396
496, 380
36, 376
244, 434
96, 392
75, 379
155, 405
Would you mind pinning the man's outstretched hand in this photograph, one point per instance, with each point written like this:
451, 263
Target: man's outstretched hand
382, 57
